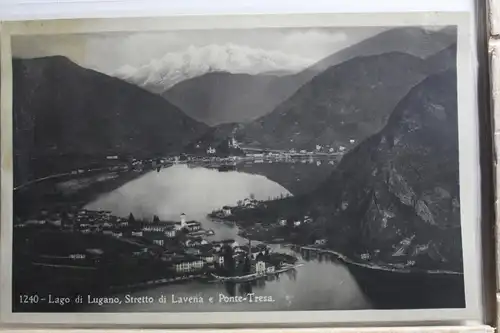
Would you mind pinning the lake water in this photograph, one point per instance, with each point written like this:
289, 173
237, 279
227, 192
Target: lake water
317, 285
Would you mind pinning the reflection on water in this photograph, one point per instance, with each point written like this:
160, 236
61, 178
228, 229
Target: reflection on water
320, 284
178, 189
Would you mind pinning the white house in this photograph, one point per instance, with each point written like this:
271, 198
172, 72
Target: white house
219, 259
209, 258
211, 150
260, 267
282, 222
154, 228
341, 148
270, 269
239, 250
352, 141
137, 233
189, 265
297, 223
320, 241
171, 232
160, 242
319, 148
226, 211
117, 234
365, 256
331, 150
192, 225
77, 256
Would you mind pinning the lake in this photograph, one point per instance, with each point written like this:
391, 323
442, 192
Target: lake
317, 285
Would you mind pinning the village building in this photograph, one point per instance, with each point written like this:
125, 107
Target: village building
260, 267
307, 219
219, 259
320, 241
226, 210
193, 226
193, 251
159, 242
365, 256
153, 229
188, 264
77, 256
233, 143
170, 231
208, 257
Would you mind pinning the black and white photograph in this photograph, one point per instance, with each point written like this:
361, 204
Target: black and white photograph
247, 169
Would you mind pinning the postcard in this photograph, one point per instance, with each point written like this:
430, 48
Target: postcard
235, 170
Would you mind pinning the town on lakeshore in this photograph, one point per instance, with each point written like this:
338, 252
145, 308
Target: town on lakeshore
219, 170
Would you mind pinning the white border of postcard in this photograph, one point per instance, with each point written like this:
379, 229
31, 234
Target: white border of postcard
470, 190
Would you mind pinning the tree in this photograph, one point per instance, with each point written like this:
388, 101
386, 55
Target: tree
131, 218
156, 218
229, 263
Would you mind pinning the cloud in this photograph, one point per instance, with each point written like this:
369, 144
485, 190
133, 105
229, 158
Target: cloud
108, 52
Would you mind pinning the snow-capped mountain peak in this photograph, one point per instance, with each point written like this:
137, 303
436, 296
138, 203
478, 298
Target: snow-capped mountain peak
161, 74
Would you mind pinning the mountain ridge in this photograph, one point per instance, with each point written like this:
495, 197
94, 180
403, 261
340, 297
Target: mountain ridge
61, 108
237, 98
345, 104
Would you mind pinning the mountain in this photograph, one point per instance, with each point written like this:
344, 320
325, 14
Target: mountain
221, 97
226, 96
341, 106
393, 201
161, 74
416, 41
61, 109
396, 195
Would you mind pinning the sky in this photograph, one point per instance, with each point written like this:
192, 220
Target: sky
111, 52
